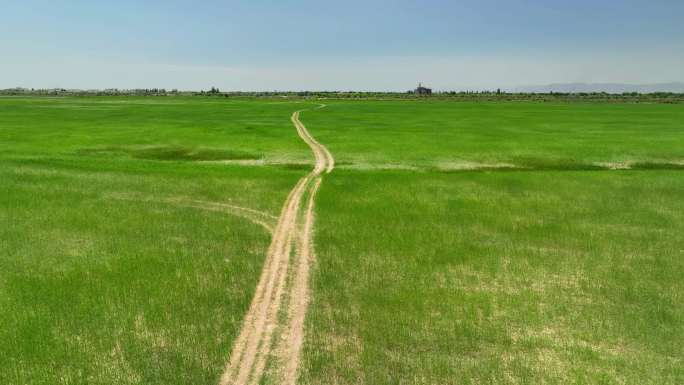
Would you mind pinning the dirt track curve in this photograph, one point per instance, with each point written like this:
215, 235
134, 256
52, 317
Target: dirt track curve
273, 328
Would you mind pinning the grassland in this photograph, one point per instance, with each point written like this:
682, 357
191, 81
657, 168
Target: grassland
124, 259
456, 243
493, 244
454, 136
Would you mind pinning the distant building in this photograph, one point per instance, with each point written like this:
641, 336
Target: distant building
423, 90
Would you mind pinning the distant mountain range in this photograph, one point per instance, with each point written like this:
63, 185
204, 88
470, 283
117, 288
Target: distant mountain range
611, 88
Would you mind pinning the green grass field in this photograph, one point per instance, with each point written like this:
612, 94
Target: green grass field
456, 242
113, 273
560, 271
446, 135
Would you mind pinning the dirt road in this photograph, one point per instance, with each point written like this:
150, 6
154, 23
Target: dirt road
273, 329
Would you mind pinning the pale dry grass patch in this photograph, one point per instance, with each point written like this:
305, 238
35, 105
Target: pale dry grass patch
455, 165
105, 365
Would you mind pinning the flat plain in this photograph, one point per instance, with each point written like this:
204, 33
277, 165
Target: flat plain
455, 242
130, 246
499, 243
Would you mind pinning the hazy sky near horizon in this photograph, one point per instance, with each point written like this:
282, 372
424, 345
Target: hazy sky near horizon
338, 45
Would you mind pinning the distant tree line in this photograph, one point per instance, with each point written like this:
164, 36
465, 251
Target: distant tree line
75, 92
660, 97
498, 94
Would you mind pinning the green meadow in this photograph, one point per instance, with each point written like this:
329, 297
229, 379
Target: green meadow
496, 243
123, 259
448, 135
456, 242
499, 277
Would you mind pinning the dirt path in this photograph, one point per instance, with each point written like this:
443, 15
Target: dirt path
265, 220
284, 280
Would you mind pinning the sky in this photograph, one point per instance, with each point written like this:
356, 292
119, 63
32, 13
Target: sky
338, 45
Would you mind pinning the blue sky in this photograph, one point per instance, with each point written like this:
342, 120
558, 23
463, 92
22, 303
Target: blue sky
371, 44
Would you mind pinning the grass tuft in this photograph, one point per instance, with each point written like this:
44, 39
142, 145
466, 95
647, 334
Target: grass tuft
657, 166
173, 153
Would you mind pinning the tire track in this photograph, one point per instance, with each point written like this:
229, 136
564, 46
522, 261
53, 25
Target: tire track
252, 349
265, 220
290, 345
